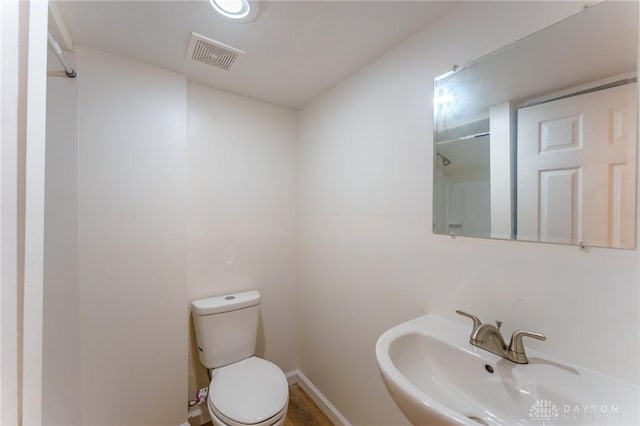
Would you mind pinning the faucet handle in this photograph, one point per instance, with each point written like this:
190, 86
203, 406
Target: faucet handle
476, 321
516, 347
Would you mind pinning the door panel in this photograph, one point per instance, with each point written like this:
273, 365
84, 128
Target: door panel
577, 168
559, 205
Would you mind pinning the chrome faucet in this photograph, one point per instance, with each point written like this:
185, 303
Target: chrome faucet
488, 337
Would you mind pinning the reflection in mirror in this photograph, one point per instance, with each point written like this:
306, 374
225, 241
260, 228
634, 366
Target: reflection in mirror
537, 141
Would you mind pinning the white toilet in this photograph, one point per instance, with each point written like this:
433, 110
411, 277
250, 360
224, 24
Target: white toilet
244, 389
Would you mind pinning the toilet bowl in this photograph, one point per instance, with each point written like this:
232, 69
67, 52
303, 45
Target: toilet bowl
249, 392
245, 390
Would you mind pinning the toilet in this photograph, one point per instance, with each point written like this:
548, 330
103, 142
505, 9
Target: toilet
244, 389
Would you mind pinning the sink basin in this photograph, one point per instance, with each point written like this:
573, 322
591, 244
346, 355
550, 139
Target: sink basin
436, 377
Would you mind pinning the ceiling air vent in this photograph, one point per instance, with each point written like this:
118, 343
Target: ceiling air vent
211, 52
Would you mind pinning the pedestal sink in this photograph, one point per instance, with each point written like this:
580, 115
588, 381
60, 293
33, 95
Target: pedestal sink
436, 377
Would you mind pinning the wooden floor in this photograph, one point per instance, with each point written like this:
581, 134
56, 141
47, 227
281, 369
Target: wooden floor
302, 410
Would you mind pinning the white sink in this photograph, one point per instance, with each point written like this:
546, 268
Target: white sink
436, 377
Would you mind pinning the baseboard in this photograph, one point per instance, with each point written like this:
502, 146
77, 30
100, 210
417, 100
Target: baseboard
296, 376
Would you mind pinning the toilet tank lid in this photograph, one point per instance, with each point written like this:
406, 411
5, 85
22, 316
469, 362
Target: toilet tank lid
225, 303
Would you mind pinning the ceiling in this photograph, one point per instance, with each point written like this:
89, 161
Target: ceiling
295, 50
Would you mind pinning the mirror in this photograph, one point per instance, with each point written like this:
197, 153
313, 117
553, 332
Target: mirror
537, 141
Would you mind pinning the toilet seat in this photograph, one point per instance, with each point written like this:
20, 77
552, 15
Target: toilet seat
219, 419
253, 392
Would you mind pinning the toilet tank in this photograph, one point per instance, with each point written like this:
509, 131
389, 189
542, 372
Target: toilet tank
226, 327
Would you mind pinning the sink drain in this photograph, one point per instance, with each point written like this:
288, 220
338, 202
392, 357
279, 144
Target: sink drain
478, 420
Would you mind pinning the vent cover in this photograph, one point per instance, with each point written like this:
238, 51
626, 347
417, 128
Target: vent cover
211, 52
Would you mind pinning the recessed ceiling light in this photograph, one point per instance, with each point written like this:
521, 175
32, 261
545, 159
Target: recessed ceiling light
232, 9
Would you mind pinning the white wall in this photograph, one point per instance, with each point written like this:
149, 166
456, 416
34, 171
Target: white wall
33, 106
61, 345
132, 247
242, 219
501, 129
368, 259
12, 100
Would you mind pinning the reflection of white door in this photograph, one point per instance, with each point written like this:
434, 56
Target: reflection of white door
577, 168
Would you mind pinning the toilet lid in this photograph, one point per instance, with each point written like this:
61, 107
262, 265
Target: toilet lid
249, 391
